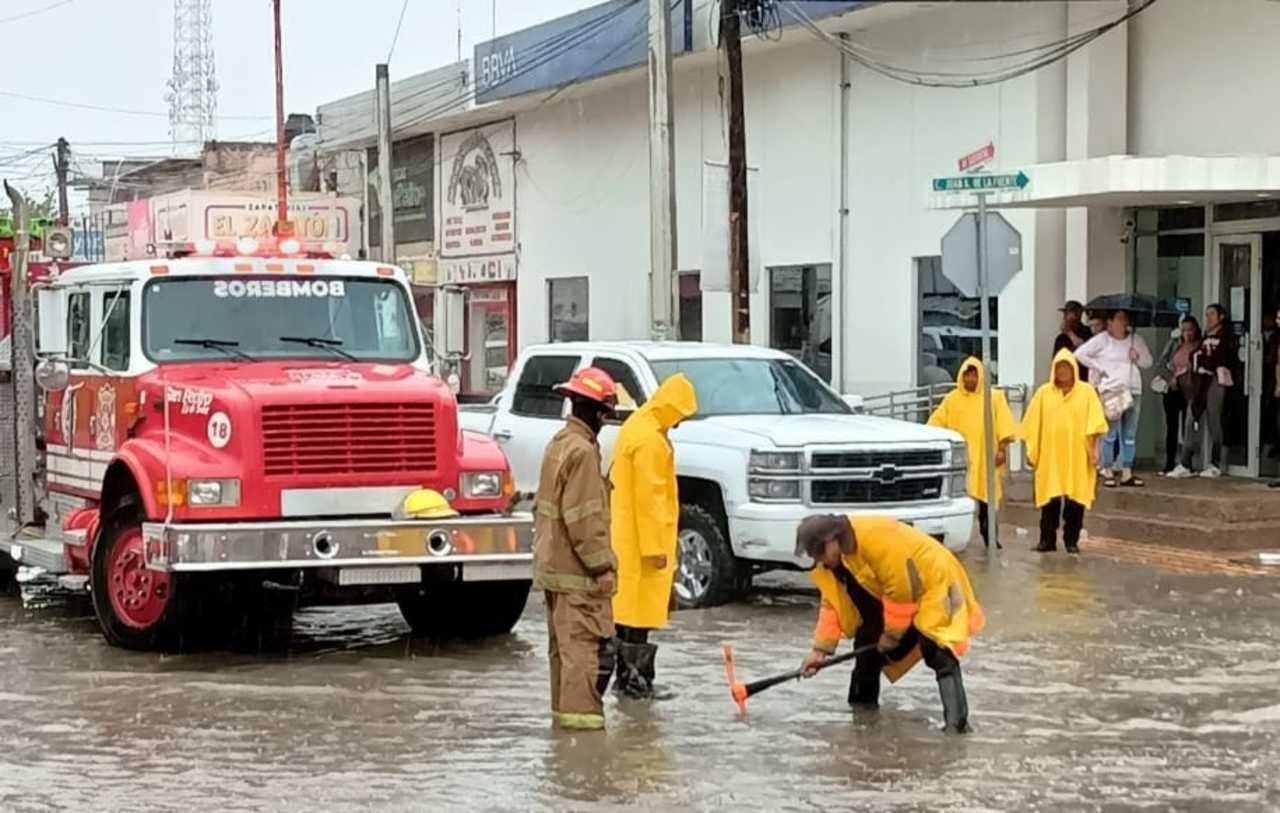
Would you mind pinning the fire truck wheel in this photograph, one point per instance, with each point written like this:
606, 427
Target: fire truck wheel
137, 608
464, 610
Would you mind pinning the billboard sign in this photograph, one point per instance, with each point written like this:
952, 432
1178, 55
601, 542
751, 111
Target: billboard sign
477, 204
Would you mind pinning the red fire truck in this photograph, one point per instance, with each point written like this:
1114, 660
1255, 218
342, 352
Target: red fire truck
236, 430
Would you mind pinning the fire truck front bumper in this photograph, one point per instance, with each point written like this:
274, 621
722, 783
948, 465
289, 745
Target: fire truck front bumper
488, 547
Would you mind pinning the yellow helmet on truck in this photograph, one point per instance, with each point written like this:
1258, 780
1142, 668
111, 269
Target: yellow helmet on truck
424, 504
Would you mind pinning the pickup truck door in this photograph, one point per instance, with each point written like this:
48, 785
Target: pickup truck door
633, 390
530, 413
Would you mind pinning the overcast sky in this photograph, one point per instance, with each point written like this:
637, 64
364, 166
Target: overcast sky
119, 53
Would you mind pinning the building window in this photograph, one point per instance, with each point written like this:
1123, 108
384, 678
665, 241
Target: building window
534, 396
690, 316
950, 326
115, 330
1246, 210
567, 301
800, 314
412, 179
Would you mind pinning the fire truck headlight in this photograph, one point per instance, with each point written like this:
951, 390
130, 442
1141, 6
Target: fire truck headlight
482, 484
213, 492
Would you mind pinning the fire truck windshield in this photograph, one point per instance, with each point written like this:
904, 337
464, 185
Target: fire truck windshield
274, 317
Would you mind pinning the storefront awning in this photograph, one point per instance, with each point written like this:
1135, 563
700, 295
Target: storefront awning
1129, 181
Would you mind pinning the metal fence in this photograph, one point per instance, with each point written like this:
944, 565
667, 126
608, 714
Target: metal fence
918, 404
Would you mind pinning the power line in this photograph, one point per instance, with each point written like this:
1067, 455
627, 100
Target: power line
396, 37
106, 109
34, 12
1049, 53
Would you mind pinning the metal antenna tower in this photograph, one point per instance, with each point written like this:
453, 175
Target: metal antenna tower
193, 89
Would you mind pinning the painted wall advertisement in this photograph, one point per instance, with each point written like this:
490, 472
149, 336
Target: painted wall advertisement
477, 205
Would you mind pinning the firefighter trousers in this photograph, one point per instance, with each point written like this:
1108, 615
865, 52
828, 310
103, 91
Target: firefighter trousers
581, 648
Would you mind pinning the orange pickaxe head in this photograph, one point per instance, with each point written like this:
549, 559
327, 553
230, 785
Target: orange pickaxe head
737, 690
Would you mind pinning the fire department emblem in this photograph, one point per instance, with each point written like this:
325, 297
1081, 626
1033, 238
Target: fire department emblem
103, 423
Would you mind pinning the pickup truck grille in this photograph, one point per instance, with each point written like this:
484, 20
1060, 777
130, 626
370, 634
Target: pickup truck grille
848, 492
874, 458
337, 439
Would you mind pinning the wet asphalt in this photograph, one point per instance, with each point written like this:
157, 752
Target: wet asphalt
1098, 685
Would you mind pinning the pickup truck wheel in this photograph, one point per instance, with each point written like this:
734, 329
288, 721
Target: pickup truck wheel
465, 610
707, 573
137, 608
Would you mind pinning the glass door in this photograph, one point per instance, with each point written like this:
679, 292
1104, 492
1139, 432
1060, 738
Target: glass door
1236, 281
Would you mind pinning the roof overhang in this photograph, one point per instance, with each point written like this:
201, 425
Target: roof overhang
1132, 181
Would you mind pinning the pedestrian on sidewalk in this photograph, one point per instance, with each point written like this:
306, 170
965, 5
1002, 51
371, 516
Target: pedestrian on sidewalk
1072, 332
1177, 379
893, 587
1119, 355
573, 562
961, 411
1062, 430
645, 524
1213, 364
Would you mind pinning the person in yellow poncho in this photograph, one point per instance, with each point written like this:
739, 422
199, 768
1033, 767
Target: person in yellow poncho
889, 585
961, 411
1062, 429
644, 524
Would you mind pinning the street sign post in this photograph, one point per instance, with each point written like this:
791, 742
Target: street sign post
968, 258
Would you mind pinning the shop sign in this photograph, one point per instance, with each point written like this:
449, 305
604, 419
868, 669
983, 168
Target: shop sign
477, 207
479, 270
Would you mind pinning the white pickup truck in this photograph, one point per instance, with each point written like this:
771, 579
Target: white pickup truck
770, 445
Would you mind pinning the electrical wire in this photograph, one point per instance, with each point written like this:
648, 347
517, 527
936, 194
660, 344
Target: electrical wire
106, 109
24, 15
1048, 53
396, 37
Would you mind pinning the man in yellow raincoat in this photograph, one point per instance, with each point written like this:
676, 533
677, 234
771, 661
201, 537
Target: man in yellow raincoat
890, 586
645, 520
961, 411
1063, 428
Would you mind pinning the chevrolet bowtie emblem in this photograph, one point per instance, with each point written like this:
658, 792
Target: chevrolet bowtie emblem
887, 473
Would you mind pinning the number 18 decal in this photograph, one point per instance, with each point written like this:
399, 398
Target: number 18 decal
219, 430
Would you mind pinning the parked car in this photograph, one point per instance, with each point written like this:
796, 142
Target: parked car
770, 445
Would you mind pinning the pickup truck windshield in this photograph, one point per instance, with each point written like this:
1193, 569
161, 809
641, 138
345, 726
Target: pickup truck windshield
753, 387
275, 317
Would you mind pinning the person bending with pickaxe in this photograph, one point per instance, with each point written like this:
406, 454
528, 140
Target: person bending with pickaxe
886, 583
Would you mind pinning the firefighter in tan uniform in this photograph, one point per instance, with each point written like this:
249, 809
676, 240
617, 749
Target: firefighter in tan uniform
573, 562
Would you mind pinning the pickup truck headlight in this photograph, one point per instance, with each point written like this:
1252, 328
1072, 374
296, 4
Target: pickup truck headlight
959, 456
775, 462
224, 492
480, 484
773, 490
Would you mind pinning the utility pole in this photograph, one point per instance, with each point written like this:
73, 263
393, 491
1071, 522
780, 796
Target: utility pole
22, 366
988, 429
663, 310
282, 182
382, 78
60, 168
739, 260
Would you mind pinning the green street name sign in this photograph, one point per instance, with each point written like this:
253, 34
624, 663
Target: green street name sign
981, 183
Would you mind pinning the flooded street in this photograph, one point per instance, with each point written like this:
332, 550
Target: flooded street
1097, 685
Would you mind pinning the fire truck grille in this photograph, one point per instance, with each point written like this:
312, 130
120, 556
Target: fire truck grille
326, 439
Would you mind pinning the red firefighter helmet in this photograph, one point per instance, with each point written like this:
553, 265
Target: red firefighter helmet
593, 384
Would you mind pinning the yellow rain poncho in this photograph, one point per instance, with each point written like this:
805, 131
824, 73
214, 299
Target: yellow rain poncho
961, 411
918, 581
1059, 431
645, 516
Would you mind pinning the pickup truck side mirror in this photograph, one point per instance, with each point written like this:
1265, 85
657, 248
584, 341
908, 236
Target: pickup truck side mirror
619, 416
854, 402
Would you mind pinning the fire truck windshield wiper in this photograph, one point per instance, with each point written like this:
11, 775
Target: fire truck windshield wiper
227, 346
332, 345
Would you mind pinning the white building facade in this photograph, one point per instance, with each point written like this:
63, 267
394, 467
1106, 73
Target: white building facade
1152, 154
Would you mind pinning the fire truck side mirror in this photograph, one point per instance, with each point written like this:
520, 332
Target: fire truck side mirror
51, 313
451, 335
52, 375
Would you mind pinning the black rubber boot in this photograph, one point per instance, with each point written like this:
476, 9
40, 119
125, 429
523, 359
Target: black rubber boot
864, 683
1045, 547
636, 668
955, 706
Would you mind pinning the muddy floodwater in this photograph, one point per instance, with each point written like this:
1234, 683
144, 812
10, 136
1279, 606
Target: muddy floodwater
1097, 686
